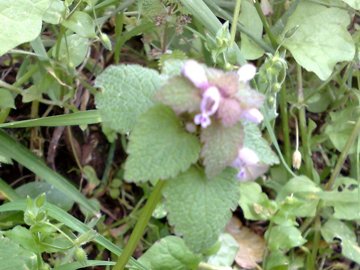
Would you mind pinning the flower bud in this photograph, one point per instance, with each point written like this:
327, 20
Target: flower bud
80, 255
296, 159
106, 41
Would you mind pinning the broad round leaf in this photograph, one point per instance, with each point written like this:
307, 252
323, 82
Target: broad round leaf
159, 147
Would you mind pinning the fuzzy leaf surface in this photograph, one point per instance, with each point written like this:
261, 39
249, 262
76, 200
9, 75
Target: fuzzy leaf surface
180, 94
321, 39
170, 253
13, 256
254, 140
127, 92
221, 146
159, 147
199, 207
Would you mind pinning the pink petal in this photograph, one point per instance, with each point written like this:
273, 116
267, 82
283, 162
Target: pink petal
210, 101
195, 73
246, 72
203, 120
248, 156
253, 115
229, 112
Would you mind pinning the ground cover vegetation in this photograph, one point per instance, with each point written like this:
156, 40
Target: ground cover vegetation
162, 135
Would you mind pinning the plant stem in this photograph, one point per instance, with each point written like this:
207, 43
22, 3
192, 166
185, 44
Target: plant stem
265, 24
109, 160
353, 136
222, 13
303, 126
234, 22
316, 241
285, 124
140, 225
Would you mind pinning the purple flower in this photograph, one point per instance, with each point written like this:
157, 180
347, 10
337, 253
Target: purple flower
249, 165
224, 96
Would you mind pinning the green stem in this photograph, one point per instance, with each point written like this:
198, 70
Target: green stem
234, 22
119, 23
140, 226
109, 160
223, 14
316, 242
265, 24
302, 121
285, 124
8, 192
353, 136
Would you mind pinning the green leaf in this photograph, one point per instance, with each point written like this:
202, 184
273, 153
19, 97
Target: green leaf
72, 119
53, 195
301, 196
73, 50
12, 256
341, 126
6, 99
20, 22
81, 23
159, 147
282, 237
321, 38
170, 65
251, 21
180, 94
253, 139
254, 203
199, 208
344, 198
335, 229
23, 237
221, 145
127, 92
353, 3
73, 223
170, 253
226, 254
55, 13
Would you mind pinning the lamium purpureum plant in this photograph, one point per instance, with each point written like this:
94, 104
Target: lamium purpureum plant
195, 134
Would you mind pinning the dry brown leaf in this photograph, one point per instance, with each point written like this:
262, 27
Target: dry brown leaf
251, 245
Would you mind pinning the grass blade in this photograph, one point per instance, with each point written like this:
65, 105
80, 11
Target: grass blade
73, 119
8, 191
77, 265
14, 150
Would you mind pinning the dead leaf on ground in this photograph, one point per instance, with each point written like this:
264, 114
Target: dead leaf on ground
251, 245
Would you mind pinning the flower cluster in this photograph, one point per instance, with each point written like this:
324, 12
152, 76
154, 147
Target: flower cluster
226, 96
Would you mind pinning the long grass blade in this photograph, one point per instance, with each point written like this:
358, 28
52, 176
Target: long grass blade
73, 119
14, 150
